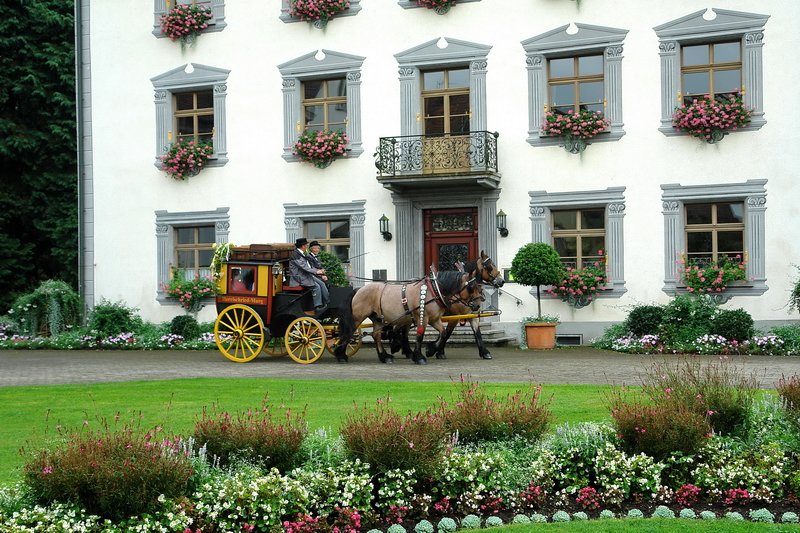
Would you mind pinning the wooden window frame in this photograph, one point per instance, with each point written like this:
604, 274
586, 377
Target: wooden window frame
446, 92
575, 80
579, 233
714, 227
711, 67
195, 113
196, 247
326, 100
327, 243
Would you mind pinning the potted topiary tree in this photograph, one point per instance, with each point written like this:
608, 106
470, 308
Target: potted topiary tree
538, 264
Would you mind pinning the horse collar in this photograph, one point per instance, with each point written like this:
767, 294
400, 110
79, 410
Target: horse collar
434, 284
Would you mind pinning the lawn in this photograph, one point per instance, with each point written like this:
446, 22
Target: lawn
30, 415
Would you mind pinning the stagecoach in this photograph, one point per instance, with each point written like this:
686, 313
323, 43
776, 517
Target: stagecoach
258, 311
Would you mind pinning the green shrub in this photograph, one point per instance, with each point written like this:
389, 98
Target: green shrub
789, 392
112, 318
794, 296
252, 435
446, 525
114, 474
477, 417
612, 333
471, 521
537, 264
186, 326
48, 310
733, 324
388, 441
762, 515
790, 334
708, 515
423, 526
662, 511
496, 521
333, 269
692, 312
561, 516
645, 319
635, 513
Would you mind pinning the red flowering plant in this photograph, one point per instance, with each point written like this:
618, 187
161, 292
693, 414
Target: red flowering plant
440, 6
317, 10
710, 118
190, 293
579, 286
185, 21
320, 148
701, 277
574, 128
185, 159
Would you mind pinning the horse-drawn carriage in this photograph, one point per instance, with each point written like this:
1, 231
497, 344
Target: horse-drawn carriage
258, 311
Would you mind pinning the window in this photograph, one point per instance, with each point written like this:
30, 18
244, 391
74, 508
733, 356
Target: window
325, 104
217, 7
577, 71
579, 235
333, 236
445, 101
183, 241
722, 55
355, 7
320, 92
576, 84
338, 227
707, 222
714, 231
194, 116
190, 104
580, 224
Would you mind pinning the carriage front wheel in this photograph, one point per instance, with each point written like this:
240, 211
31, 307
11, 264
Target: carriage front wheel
239, 333
305, 340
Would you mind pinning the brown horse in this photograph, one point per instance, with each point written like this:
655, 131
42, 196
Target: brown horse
485, 271
420, 302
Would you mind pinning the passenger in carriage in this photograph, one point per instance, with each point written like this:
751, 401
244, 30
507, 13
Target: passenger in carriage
301, 273
314, 249
237, 284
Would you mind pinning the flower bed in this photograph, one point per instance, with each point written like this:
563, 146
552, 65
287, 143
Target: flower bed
710, 118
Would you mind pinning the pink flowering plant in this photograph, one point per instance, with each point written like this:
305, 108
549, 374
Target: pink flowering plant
320, 148
436, 4
709, 118
317, 10
185, 21
185, 159
582, 125
579, 286
702, 278
190, 293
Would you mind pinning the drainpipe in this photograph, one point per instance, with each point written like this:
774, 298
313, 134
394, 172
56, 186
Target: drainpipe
78, 13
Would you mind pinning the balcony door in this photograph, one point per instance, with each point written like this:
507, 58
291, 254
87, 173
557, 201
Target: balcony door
445, 105
450, 235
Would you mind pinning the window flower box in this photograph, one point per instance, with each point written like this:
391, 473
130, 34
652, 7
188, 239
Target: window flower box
319, 12
710, 119
714, 277
320, 148
440, 7
185, 159
580, 286
185, 22
574, 128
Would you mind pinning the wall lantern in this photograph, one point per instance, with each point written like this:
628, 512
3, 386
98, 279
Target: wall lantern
384, 228
501, 224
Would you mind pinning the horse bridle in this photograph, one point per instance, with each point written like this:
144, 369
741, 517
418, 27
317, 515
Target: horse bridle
474, 302
481, 266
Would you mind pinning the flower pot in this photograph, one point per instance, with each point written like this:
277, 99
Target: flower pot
540, 335
442, 10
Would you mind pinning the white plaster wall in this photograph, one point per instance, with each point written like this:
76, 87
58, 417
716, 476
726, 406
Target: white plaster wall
257, 181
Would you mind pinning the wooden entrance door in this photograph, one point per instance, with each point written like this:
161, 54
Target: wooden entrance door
450, 235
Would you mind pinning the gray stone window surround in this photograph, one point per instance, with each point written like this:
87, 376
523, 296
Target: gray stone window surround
178, 80
558, 43
412, 4
296, 215
753, 193
613, 200
428, 55
217, 7
308, 67
355, 7
694, 29
166, 222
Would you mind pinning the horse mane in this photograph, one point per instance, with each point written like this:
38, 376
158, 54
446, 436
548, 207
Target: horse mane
471, 266
450, 281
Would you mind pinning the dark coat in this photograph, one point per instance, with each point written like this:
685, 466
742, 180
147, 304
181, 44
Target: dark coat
300, 272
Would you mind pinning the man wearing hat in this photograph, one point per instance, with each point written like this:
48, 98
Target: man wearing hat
303, 274
314, 249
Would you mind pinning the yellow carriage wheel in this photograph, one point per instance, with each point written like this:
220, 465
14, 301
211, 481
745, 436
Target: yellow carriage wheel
239, 333
305, 340
352, 347
276, 347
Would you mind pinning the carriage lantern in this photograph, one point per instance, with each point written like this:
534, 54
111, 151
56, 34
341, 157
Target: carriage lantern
501, 223
384, 228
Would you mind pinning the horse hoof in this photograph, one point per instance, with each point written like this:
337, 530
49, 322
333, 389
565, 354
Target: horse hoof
389, 360
486, 355
421, 361
441, 356
341, 360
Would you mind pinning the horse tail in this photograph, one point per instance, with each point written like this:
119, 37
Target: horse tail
347, 325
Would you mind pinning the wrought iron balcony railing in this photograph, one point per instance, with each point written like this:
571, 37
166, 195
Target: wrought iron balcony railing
472, 152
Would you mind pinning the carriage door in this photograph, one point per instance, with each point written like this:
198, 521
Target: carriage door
445, 104
450, 235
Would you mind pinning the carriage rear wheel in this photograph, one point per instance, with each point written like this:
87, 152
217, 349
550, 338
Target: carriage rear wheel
352, 347
239, 333
305, 340
276, 347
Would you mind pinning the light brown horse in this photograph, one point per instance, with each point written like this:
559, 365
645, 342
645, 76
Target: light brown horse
486, 272
419, 302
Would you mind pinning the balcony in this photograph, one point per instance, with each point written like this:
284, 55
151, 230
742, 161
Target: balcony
419, 161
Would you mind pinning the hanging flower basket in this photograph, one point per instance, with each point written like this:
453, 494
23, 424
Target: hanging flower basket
320, 148
185, 159
710, 119
574, 128
580, 286
439, 6
185, 22
319, 12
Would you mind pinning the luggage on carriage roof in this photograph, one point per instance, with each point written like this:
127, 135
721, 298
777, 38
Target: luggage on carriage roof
262, 252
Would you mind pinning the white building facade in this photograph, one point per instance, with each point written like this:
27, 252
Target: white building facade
443, 113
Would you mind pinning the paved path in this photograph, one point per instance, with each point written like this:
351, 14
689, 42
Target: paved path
566, 365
